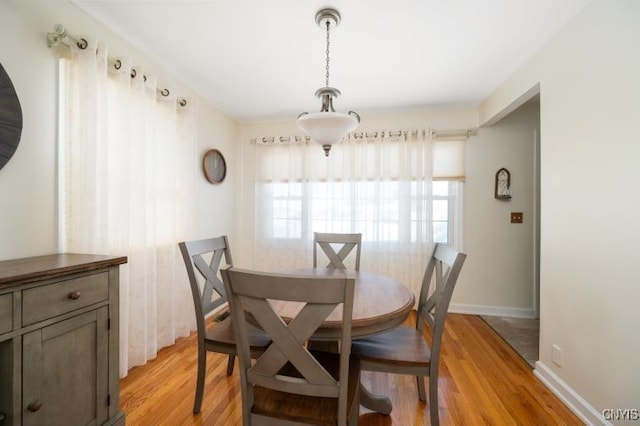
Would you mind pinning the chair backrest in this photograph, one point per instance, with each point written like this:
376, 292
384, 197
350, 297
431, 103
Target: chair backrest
318, 296
443, 269
202, 259
326, 242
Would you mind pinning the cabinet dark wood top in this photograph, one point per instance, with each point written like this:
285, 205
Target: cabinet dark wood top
21, 271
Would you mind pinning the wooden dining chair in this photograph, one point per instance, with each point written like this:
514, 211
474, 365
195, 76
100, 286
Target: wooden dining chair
347, 243
404, 350
290, 384
202, 259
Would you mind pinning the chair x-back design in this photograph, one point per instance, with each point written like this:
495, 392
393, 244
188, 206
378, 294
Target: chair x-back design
288, 383
336, 259
207, 297
404, 350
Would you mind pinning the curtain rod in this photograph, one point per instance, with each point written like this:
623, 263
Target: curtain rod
443, 135
455, 134
60, 37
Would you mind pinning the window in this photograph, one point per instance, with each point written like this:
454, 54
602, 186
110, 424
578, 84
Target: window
287, 210
400, 190
443, 208
382, 211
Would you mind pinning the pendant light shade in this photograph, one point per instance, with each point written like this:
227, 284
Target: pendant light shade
327, 127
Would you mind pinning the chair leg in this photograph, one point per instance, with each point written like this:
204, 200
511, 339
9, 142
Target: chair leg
355, 411
202, 366
433, 401
230, 362
421, 390
353, 417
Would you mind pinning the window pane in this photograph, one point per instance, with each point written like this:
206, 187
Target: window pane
319, 189
440, 188
280, 189
367, 189
295, 209
340, 190
295, 189
295, 229
342, 210
389, 209
440, 210
319, 226
280, 228
419, 209
319, 209
279, 209
441, 232
418, 188
388, 232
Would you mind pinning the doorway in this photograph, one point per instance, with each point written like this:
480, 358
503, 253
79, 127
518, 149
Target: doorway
522, 332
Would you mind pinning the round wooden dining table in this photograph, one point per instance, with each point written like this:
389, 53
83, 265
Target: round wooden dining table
379, 304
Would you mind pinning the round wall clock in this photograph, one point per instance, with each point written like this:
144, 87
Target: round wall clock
215, 168
10, 118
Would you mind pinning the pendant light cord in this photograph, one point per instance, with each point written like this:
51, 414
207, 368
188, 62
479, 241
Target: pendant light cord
327, 52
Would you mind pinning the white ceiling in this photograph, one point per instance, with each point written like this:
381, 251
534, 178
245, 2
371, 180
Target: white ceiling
261, 60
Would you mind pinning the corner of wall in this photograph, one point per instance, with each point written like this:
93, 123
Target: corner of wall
503, 102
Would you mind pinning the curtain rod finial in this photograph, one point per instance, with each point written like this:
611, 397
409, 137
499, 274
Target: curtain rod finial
55, 37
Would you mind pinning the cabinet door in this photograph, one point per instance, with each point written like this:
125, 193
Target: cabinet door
6, 313
65, 377
9, 375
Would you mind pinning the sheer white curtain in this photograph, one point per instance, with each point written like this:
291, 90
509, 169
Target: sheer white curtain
128, 157
378, 185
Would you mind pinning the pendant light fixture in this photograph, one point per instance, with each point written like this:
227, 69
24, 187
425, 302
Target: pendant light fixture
327, 127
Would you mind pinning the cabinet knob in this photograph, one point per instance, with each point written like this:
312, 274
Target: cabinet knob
35, 406
2, 416
75, 295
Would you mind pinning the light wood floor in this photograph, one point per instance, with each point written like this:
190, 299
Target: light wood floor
482, 381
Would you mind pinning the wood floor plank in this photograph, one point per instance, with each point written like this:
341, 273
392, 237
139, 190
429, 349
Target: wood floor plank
482, 382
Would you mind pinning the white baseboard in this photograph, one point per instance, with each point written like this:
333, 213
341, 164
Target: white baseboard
498, 311
568, 396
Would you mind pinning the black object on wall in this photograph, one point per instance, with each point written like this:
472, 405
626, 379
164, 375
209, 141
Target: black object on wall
10, 118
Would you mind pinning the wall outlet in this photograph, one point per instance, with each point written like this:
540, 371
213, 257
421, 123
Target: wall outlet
556, 355
516, 217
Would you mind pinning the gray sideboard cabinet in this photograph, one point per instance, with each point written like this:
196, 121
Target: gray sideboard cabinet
59, 340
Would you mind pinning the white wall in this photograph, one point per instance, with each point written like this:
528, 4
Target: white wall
589, 76
28, 180
28, 221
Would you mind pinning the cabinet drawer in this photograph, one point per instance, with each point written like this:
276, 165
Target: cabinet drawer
41, 303
6, 313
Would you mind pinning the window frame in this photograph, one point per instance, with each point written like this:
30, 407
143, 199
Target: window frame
405, 222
